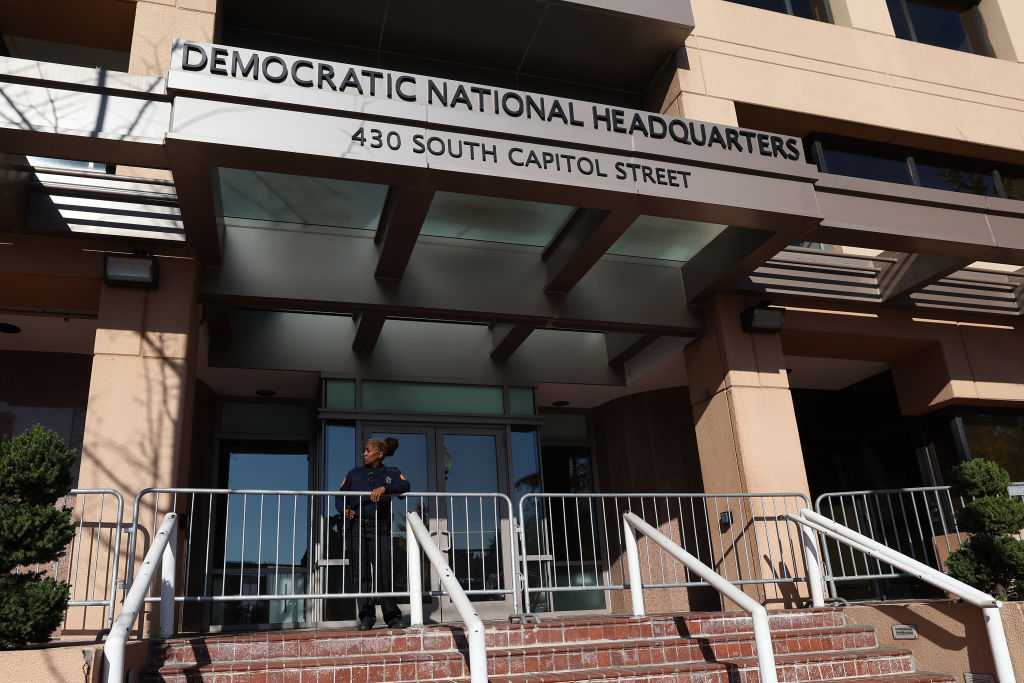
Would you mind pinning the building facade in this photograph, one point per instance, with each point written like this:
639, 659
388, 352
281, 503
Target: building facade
532, 240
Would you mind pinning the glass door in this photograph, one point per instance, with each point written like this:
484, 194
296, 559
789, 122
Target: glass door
440, 463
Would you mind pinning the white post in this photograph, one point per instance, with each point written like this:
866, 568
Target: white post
415, 578
811, 558
167, 573
763, 642
636, 587
997, 641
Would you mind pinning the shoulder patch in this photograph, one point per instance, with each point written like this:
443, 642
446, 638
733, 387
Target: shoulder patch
402, 476
344, 480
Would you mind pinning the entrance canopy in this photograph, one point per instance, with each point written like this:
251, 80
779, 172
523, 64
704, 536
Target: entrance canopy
313, 188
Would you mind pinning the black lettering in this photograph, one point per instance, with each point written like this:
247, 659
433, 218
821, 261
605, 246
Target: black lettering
648, 174
672, 177
638, 125
438, 149
533, 106
777, 147
572, 116
620, 170
186, 59
763, 145
295, 72
597, 169
686, 178
489, 152
716, 137
451, 150
461, 97
677, 129
399, 82
515, 150
518, 111
794, 147
703, 134
547, 158
472, 149
218, 64
606, 117
373, 76
532, 159
417, 144
556, 112
279, 78
588, 169
657, 127
432, 90
749, 137
659, 174
252, 65
733, 137
481, 93
325, 75
618, 120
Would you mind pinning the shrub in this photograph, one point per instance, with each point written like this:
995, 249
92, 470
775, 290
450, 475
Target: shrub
992, 560
34, 472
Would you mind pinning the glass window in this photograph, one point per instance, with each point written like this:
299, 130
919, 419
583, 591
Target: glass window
253, 416
433, 398
340, 394
520, 401
998, 437
494, 219
952, 24
924, 168
891, 169
808, 9
951, 176
672, 239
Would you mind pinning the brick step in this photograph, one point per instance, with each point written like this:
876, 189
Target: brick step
327, 643
846, 667
646, 658
577, 654
714, 623
634, 675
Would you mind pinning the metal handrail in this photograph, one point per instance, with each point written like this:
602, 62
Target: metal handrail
163, 545
474, 625
758, 614
988, 604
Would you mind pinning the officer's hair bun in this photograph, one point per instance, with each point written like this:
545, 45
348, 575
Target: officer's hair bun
390, 446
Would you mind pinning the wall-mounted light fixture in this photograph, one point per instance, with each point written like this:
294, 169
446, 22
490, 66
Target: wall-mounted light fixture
763, 318
137, 269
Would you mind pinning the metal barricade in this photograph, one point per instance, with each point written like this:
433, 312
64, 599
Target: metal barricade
572, 549
92, 566
919, 522
259, 556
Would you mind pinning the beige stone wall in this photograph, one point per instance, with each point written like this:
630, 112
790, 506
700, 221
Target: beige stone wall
951, 635
158, 22
65, 663
904, 91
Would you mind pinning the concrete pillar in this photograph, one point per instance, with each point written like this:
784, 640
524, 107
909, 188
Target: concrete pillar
138, 424
1004, 20
867, 15
158, 22
743, 412
748, 442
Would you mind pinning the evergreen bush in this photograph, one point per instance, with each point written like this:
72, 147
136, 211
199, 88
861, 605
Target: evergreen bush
35, 471
992, 560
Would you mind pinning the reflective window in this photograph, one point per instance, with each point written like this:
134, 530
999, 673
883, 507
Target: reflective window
808, 9
952, 24
896, 164
998, 437
861, 165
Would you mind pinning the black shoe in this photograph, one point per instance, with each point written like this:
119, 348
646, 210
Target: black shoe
395, 622
366, 624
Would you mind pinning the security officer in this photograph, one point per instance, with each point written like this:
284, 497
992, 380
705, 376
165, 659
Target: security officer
368, 531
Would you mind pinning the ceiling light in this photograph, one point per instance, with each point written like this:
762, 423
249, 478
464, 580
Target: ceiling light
8, 328
559, 404
266, 393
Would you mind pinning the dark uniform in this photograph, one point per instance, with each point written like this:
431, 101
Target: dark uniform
368, 535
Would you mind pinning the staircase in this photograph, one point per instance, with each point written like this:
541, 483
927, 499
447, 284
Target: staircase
810, 645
